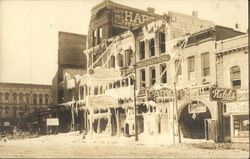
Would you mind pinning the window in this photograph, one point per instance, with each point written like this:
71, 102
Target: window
143, 78
14, 112
47, 99
205, 64
1, 97
178, 68
164, 75
1, 111
112, 61
96, 91
162, 42
40, 99
191, 65
81, 93
128, 57
20, 98
142, 50
120, 60
14, 95
34, 99
152, 47
94, 37
99, 35
6, 112
152, 76
235, 77
6, 96
27, 96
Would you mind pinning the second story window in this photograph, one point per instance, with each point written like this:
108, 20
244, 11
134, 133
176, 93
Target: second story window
14, 95
191, 65
205, 66
34, 99
152, 47
162, 42
47, 98
164, 75
178, 68
99, 35
235, 77
143, 78
142, 50
128, 57
6, 96
152, 76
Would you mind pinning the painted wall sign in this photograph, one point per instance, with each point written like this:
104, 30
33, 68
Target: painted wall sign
196, 108
153, 61
129, 19
52, 122
237, 107
223, 94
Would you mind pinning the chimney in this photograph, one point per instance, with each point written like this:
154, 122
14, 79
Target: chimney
151, 10
237, 26
195, 14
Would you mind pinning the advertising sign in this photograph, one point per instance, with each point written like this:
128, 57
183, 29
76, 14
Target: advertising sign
6, 123
196, 108
52, 122
153, 61
223, 94
129, 19
237, 107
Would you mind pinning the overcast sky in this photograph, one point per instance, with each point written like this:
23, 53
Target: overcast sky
29, 29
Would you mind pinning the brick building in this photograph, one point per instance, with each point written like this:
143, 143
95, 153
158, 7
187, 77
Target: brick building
17, 98
232, 72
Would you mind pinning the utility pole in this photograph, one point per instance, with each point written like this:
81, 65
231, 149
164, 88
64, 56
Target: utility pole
136, 127
178, 126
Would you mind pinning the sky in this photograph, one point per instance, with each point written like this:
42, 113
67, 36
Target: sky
29, 29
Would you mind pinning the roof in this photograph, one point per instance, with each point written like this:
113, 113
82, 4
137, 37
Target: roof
25, 84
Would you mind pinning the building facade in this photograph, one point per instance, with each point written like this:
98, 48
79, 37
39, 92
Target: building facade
232, 72
16, 98
158, 66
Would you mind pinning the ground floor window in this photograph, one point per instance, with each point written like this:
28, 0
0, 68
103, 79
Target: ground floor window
240, 125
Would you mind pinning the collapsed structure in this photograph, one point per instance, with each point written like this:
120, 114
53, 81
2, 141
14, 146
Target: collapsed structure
159, 65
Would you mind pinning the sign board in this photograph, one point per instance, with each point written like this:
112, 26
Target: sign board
52, 122
128, 18
196, 108
162, 93
223, 94
6, 123
152, 61
237, 107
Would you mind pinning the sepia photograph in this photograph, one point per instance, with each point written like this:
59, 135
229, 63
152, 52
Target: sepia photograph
124, 79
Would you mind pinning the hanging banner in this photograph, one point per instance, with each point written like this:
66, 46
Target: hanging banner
196, 108
223, 94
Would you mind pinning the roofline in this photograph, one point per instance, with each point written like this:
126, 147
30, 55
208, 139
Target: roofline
25, 84
233, 38
64, 32
230, 28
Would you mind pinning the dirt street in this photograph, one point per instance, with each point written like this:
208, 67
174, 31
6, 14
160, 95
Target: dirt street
72, 145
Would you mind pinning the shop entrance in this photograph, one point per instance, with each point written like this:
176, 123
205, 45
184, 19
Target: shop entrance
193, 124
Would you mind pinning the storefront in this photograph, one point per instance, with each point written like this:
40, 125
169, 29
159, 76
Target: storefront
236, 121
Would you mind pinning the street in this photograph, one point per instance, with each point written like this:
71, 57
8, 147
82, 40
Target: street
72, 145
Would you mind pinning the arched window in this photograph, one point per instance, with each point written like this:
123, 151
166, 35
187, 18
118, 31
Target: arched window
120, 60
6, 97
100, 89
40, 99
34, 99
14, 96
112, 61
27, 98
110, 86
1, 97
46, 99
20, 98
235, 77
